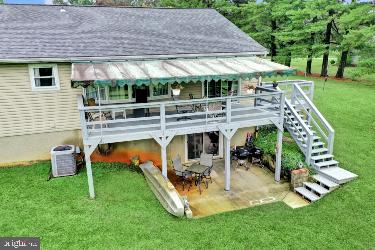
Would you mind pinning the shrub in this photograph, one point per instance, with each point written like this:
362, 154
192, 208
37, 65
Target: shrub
291, 156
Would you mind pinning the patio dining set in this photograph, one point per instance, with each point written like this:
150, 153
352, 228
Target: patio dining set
197, 172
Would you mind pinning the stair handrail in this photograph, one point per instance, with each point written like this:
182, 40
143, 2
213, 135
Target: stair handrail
314, 109
309, 133
309, 84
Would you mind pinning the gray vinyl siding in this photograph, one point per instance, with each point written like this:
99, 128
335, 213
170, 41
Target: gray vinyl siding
24, 111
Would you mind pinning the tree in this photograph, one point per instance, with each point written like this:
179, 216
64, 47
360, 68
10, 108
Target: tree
334, 9
301, 32
355, 31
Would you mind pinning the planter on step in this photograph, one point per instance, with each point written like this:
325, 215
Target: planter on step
298, 177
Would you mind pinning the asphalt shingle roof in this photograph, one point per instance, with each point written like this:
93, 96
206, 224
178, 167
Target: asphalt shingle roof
42, 31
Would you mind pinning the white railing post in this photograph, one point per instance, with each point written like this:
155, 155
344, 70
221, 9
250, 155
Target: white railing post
331, 137
309, 148
228, 109
162, 118
293, 99
311, 90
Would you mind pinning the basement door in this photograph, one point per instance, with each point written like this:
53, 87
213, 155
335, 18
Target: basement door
208, 143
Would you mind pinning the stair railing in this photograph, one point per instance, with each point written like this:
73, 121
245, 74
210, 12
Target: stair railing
305, 135
314, 116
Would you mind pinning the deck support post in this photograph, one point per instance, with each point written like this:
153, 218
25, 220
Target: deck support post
279, 145
164, 165
227, 164
163, 142
88, 151
228, 133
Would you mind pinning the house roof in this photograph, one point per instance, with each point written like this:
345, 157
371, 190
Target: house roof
71, 32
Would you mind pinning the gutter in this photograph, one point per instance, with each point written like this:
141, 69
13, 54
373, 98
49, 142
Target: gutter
125, 58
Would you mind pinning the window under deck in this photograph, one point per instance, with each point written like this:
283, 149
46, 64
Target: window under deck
128, 122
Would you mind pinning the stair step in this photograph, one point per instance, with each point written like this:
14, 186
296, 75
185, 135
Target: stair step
317, 144
325, 163
307, 194
325, 182
316, 188
321, 157
319, 150
337, 174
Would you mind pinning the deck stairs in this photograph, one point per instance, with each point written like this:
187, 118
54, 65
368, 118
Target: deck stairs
314, 136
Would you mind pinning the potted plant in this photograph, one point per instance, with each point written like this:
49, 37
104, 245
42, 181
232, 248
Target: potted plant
176, 88
249, 88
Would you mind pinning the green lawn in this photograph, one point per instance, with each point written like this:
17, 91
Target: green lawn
300, 64
127, 215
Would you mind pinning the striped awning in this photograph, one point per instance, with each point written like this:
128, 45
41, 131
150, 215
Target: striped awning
174, 70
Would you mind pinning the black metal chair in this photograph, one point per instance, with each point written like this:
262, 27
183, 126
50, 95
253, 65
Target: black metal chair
182, 109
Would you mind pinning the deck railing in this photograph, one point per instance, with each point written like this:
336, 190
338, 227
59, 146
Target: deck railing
314, 117
300, 93
179, 116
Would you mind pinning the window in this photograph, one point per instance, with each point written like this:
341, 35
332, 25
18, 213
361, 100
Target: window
44, 77
160, 90
92, 92
220, 88
126, 93
118, 93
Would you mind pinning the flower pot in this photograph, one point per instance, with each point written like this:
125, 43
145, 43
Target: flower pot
249, 91
176, 91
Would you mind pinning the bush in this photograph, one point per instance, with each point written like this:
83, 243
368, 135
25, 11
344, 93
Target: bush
291, 156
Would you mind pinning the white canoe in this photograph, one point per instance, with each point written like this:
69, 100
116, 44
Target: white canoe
163, 189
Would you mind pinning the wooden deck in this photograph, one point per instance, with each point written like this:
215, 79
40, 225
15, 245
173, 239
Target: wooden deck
123, 122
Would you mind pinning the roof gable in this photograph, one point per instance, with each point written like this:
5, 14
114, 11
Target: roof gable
42, 31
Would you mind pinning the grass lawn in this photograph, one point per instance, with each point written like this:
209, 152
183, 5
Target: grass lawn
127, 215
300, 64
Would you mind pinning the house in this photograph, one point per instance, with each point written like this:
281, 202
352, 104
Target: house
121, 65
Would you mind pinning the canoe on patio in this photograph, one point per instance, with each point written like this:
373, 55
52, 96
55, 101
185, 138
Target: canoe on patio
164, 190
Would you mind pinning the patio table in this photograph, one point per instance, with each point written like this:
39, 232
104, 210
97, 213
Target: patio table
198, 170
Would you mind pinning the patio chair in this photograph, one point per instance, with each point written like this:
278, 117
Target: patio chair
181, 172
207, 160
183, 109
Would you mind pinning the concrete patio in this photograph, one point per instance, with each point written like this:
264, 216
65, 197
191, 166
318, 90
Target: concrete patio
249, 188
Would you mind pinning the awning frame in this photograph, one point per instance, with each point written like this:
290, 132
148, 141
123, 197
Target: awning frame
174, 70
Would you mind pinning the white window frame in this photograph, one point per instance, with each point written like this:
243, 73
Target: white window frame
55, 74
221, 86
152, 97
